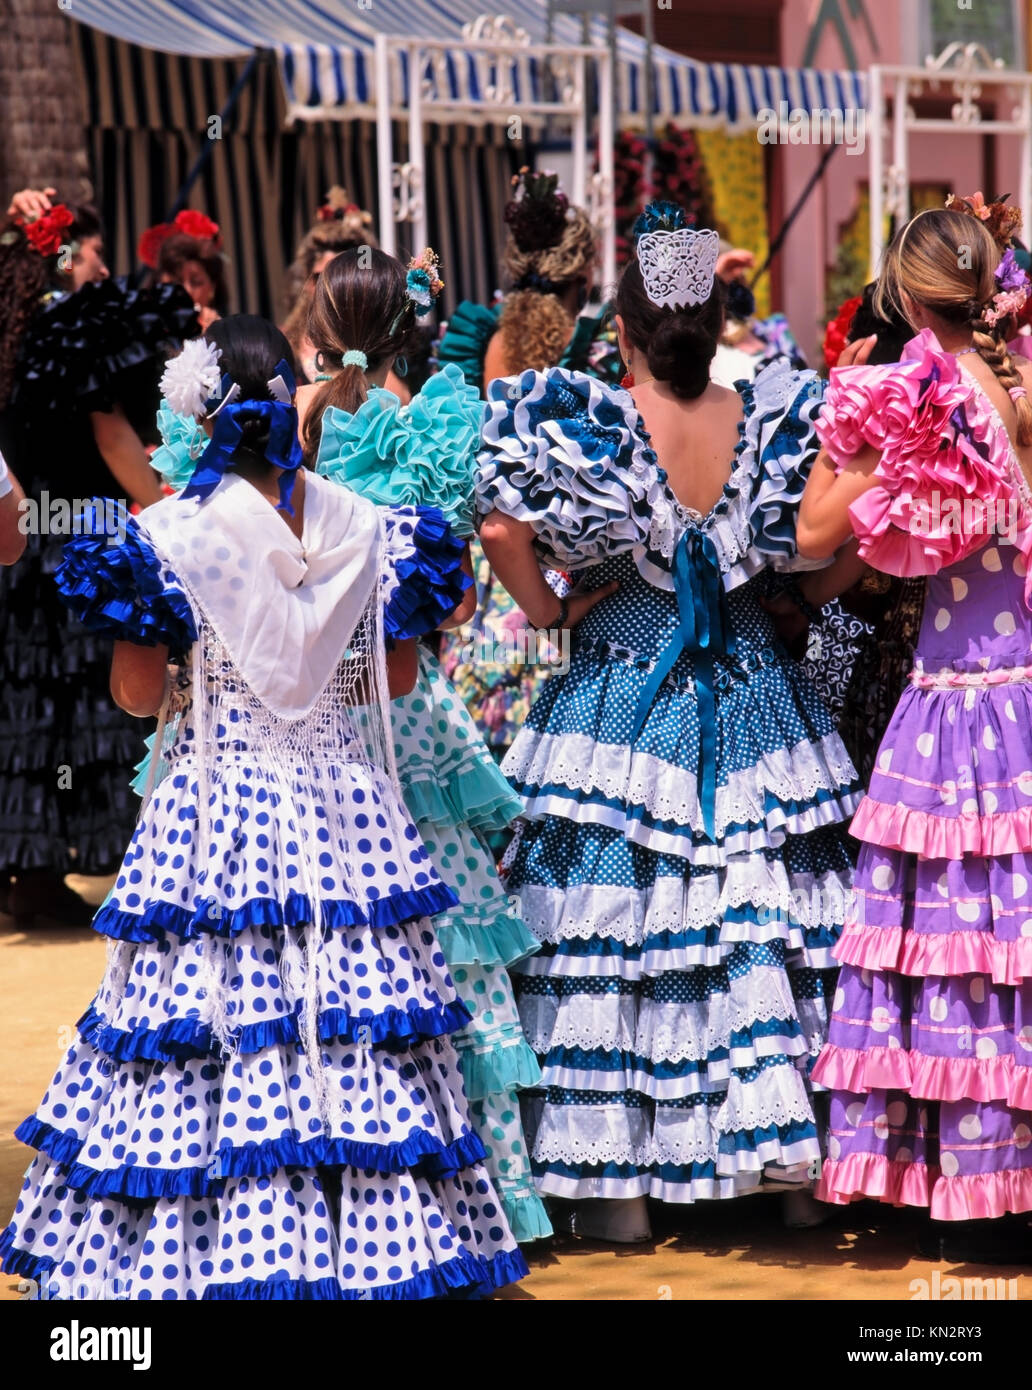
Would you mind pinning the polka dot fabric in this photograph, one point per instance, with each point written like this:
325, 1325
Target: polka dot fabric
259, 1107
454, 791
930, 1046
677, 1003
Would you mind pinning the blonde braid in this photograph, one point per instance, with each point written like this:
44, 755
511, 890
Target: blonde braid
992, 349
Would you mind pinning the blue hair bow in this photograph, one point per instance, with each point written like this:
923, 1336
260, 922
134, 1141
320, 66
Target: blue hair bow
283, 449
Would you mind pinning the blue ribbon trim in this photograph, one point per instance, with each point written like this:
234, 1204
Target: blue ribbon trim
467, 1271
472, 1273
206, 920
282, 451
187, 1037
420, 1154
704, 631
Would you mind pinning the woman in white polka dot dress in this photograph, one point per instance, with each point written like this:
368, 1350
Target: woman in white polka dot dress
264, 1101
424, 454
683, 858
930, 1054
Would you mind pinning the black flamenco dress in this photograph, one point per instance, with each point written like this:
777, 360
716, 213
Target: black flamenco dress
66, 750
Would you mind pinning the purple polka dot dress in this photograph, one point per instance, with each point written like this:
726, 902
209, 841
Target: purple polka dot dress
930, 1048
263, 1101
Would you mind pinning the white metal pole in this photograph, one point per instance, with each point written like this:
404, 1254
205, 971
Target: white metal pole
580, 137
384, 145
606, 141
900, 162
875, 165
416, 152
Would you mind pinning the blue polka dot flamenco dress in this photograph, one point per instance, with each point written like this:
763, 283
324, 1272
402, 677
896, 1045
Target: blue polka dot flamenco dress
264, 1101
683, 858
418, 455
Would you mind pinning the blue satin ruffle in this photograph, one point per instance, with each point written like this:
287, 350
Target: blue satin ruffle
209, 919
420, 1153
429, 573
116, 588
188, 1037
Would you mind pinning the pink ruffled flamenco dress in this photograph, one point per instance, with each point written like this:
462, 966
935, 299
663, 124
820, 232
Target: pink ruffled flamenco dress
929, 1057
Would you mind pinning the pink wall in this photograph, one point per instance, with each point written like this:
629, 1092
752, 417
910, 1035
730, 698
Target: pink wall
953, 160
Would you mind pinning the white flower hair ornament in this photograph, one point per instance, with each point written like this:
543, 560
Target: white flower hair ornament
193, 378
677, 267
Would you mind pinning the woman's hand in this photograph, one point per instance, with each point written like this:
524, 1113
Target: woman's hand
856, 354
732, 265
31, 203
790, 623
580, 605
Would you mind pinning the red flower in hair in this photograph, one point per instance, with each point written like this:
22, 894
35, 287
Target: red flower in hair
150, 243
195, 224
837, 334
46, 233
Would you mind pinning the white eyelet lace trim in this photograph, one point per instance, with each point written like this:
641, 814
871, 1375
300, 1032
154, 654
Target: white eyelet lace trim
630, 916
670, 792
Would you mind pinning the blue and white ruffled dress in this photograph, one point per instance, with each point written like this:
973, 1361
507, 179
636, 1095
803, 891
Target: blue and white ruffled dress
684, 860
418, 455
256, 1107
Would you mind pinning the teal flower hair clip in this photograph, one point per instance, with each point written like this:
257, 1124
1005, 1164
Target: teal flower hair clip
660, 216
423, 284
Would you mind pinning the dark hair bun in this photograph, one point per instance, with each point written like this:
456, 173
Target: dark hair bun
680, 351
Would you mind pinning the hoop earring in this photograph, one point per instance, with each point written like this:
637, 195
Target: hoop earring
401, 367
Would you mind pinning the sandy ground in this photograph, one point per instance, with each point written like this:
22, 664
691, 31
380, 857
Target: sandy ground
736, 1250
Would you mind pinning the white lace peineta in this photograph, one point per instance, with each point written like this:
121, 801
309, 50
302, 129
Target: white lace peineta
677, 268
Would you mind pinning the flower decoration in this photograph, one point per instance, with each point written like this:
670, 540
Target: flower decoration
1001, 220
192, 378
836, 335
189, 222
195, 224
338, 207
1009, 275
1013, 290
423, 284
659, 216
46, 233
538, 211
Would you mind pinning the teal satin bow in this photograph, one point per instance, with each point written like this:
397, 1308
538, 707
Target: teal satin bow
703, 631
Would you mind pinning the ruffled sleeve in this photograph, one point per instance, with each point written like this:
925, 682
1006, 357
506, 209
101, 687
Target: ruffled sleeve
183, 442
87, 350
570, 456
464, 344
418, 455
782, 406
115, 584
944, 457
423, 581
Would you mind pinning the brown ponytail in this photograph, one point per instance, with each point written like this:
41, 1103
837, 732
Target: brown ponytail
359, 305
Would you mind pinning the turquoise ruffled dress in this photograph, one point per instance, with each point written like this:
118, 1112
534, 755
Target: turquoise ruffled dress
451, 784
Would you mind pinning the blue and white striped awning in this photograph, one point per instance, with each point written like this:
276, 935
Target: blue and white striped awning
329, 71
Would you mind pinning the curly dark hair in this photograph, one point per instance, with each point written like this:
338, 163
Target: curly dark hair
25, 277
179, 248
